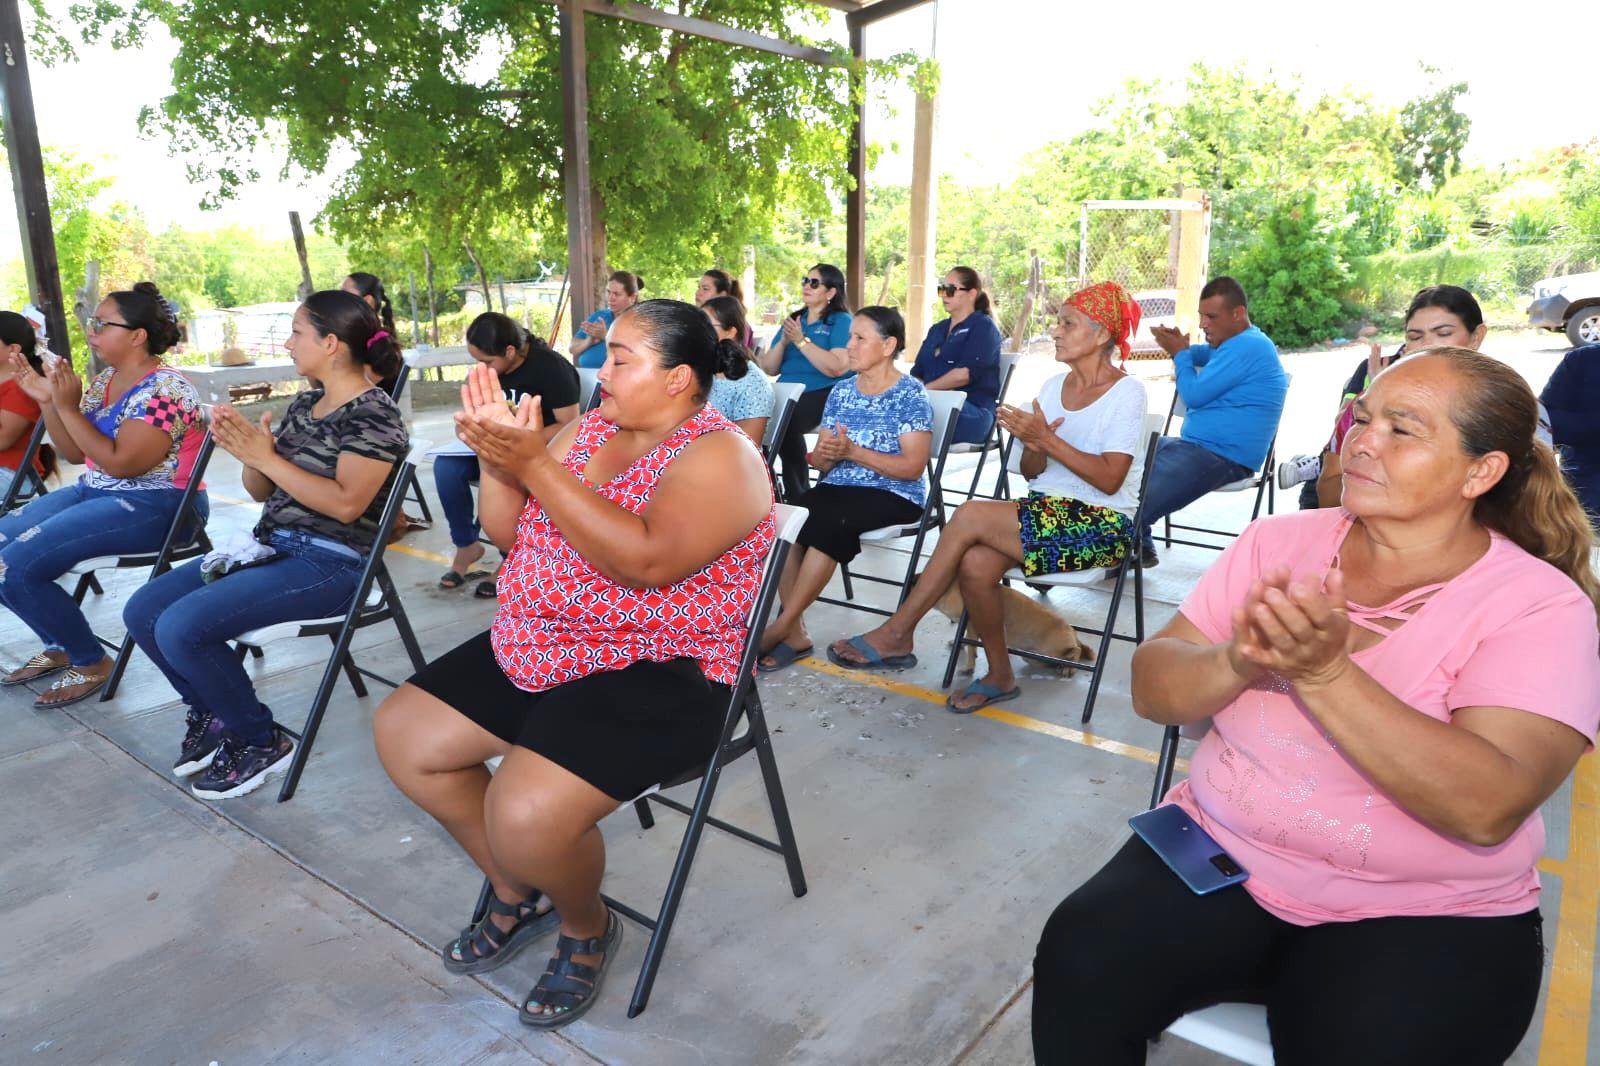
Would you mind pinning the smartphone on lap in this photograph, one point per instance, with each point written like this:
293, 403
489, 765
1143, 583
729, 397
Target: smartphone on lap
1187, 849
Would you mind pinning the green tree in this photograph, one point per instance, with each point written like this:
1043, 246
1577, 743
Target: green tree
1294, 272
442, 118
1433, 132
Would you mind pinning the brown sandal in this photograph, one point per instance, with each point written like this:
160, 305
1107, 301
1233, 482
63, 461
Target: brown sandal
73, 686
41, 665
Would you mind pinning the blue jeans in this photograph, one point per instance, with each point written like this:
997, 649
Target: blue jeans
973, 424
453, 477
184, 624
1181, 474
51, 534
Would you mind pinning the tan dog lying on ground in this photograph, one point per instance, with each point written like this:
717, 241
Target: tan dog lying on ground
1030, 626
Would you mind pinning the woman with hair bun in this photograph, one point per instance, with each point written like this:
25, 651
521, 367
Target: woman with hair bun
324, 476
137, 427
741, 391
525, 366
635, 542
589, 343
962, 353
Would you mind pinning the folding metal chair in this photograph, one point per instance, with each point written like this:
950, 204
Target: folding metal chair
413, 487
1237, 1030
368, 607
744, 705
19, 491
1263, 481
785, 394
588, 389
946, 406
185, 539
1108, 630
992, 442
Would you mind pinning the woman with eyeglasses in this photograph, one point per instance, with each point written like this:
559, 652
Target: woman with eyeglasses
962, 353
589, 343
138, 429
810, 349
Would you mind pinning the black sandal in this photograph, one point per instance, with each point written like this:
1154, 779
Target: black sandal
485, 946
570, 988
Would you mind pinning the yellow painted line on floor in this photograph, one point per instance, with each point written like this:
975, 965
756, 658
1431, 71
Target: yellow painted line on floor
403, 549
1565, 1037
994, 714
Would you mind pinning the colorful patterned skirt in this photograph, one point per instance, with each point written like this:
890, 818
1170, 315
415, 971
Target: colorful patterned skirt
1061, 535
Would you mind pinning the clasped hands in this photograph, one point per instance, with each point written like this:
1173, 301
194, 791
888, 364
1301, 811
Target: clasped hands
1172, 341
835, 445
59, 386
1029, 427
510, 439
251, 443
1292, 628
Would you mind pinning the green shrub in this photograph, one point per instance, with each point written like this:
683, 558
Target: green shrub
1294, 274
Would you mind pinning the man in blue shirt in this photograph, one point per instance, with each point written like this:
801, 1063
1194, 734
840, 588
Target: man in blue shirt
1233, 386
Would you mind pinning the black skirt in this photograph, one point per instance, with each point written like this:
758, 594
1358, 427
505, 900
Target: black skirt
837, 515
622, 731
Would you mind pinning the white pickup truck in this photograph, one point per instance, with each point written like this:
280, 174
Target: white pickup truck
1570, 303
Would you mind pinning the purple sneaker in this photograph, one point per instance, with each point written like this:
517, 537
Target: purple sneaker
239, 769
201, 740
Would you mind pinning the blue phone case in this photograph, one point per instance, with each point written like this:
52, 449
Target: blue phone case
1187, 849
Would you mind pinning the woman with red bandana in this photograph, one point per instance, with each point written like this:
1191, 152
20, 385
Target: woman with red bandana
1082, 454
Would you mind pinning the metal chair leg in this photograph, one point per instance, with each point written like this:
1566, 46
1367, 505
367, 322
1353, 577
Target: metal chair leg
955, 650
1165, 761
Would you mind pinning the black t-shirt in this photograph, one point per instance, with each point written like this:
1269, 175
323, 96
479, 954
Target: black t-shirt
546, 375
369, 426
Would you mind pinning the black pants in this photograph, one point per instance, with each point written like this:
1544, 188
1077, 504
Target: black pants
1133, 949
792, 449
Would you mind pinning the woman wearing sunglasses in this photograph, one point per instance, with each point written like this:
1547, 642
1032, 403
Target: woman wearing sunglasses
810, 349
138, 430
962, 353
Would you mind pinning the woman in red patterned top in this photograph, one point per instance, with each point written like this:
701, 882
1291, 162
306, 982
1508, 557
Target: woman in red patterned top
634, 541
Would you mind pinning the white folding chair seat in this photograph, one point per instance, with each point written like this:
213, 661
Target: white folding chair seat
1237, 1030
279, 630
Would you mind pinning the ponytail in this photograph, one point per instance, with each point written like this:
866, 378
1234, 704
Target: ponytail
1532, 504
1544, 518
725, 284
370, 285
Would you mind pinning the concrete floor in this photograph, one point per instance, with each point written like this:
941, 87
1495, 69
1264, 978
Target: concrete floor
148, 927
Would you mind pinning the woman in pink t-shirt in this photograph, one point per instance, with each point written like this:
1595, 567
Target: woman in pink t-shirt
1395, 687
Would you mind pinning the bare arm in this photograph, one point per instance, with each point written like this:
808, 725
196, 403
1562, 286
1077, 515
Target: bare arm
563, 416
754, 428
257, 484
136, 449
13, 427
1106, 471
771, 360
833, 362
1179, 676
1476, 777
907, 466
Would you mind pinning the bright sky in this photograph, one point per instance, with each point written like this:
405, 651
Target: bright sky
1017, 74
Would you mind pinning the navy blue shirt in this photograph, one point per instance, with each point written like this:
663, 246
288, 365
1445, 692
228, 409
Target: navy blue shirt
974, 344
1572, 399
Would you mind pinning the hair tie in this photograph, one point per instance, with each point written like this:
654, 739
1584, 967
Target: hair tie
382, 334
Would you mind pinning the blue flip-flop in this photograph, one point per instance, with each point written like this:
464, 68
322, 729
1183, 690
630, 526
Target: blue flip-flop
874, 660
783, 655
989, 693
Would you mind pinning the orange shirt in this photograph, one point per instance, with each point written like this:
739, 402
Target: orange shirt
13, 399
